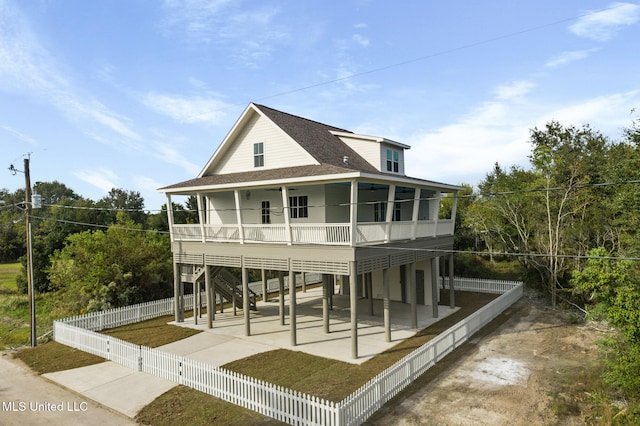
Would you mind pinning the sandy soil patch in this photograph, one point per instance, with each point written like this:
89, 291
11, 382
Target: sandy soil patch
511, 374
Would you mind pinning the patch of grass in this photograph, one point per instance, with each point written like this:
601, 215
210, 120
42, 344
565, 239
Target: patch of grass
335, 380
8, 273
183, 405
151, 333
53, 356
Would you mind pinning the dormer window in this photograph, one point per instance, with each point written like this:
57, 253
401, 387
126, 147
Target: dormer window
258, 154
393, 161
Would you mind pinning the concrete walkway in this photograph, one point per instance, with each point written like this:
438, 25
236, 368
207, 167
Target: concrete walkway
128, 391
28, 399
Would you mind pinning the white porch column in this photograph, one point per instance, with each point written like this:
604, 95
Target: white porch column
292, 306
287, 214
416, 209
201, 217
454, 207
391, 197
436, 215
245, 301
170, 217
353, 213
353, 307
386, 304
236, 195
434, 286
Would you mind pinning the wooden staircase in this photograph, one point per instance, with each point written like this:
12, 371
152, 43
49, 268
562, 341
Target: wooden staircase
227, 285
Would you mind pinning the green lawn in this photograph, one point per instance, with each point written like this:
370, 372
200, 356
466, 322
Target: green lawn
329, 379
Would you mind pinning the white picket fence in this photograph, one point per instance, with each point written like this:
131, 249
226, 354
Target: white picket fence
478, 284
268, 399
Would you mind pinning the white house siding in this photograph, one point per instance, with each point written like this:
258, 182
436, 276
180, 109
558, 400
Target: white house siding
394, 282
279, 149
221, 208
369, 150
382, 157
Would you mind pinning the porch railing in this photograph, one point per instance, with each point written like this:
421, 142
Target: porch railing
314, 233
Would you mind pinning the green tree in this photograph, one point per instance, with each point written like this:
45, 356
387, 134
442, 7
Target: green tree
612, 291
117, 267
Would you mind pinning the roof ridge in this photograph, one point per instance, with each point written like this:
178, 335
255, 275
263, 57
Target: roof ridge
302, 118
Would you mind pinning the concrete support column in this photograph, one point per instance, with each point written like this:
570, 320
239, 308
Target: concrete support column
176, 291
281, 296
386, 304
414, 295
211, 301
369, 283
434, 286
196, 302
325, 302
452, 292
353, 307
292, 307
264, 285
245, 301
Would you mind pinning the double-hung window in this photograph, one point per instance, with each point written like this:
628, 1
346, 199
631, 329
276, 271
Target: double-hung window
258, 154
299, 207
393, 161
266, 212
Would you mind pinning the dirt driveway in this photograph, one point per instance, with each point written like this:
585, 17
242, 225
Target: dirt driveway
524, 371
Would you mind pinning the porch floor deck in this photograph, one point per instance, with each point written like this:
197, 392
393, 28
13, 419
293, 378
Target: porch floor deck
226, 341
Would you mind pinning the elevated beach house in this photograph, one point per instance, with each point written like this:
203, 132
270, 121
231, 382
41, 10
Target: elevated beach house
287, 194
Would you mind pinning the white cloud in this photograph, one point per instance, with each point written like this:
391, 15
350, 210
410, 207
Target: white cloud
29, 69
514, 90
607, 114
360, 39
101, 178
498, 130
603, 25
20, 135
223, 22
171, 155
565, 58
145, 183
187, 110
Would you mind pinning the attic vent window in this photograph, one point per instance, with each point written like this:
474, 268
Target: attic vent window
345, 160
258, 154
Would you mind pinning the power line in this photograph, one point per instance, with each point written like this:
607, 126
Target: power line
95, 225
436, 54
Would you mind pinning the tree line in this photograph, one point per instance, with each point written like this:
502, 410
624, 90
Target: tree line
96, 254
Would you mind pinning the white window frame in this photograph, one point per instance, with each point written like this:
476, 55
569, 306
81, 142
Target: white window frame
258, 154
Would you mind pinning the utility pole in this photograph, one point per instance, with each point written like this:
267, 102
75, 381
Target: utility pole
32, 298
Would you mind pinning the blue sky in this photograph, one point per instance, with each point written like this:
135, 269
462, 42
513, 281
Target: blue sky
138, 94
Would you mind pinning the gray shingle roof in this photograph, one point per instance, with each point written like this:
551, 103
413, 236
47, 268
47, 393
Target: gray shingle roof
314, 137
317, 140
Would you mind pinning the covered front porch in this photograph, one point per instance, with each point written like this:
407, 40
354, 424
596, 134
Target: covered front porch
226, 341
